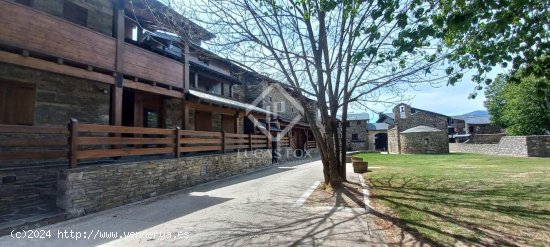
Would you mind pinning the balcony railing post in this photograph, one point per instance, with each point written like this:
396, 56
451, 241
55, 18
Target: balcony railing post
178, 142
223, 141
73, 145
250, 141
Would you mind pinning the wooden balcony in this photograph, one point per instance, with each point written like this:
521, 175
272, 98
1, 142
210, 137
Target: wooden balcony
44, 36
150, 66
29, 29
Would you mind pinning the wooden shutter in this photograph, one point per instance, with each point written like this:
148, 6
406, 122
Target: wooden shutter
17, 103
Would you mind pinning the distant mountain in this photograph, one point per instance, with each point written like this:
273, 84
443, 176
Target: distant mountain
479, 113
475, 117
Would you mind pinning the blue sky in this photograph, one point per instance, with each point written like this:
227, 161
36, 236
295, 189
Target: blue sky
448, 100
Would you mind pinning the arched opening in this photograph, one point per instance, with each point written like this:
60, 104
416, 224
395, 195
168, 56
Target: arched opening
381, 141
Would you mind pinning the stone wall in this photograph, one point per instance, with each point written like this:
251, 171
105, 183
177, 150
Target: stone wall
59, 97
486, 138
393, 140
216, 121
22, 186
538, 146
424, 143
422, 118
522, 146
90, 189
359, 128
173, 113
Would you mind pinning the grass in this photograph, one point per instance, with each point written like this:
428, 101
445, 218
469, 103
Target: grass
465, 199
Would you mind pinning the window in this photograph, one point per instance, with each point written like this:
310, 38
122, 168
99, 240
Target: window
292, 109
151, 119
280, 106
25, 2
355, 137
16, 103
270, 99
347, 124
402, 108
426, 141
358, 122
75, 13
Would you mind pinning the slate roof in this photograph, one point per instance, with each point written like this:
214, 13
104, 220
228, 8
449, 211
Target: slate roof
356, 116
377, 126
421, 129
226, 102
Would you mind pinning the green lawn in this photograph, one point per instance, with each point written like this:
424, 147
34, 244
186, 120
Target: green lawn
469, 199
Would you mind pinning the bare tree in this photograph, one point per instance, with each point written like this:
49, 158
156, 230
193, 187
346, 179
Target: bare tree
339, 53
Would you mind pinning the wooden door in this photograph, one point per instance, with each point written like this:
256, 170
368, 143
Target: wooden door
203, 121
148, 110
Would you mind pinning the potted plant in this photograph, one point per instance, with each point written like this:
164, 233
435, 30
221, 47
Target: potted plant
359, 166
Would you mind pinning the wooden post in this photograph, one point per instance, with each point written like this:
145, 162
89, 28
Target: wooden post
250, 141
223, 141
186, 68
117, 87
178, 142
73, 145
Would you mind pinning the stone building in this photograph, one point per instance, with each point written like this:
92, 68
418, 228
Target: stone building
136, 91
378, 136
417, 131
281, 100
357, 136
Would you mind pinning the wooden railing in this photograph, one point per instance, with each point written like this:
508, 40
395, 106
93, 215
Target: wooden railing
92, 141
18, 143
284, 142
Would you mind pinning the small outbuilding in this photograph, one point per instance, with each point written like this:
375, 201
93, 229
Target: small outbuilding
424, 140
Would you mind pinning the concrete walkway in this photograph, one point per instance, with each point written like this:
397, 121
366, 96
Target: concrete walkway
256, 209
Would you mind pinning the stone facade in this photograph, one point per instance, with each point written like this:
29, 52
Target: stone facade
59, 97
358, 129
393, 140
22, 186
216, 121
424, 143
90, 189
406, 119
173, 113
522, 146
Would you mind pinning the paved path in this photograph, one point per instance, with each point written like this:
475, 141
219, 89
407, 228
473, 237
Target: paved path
256, 209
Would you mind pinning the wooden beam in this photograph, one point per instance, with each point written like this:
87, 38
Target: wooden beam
149, 88
117, 88
210, 108
36, 63
186, 68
